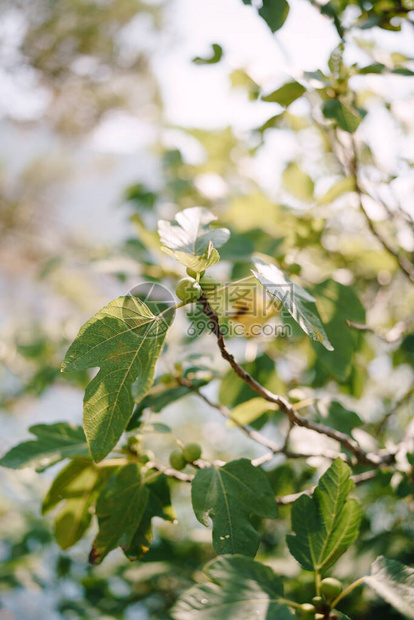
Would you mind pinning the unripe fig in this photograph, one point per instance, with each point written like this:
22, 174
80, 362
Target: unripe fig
330, 588
188, 290
177, 460
209, 283
192, 452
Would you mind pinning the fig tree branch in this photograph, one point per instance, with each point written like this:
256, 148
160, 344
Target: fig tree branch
283, 403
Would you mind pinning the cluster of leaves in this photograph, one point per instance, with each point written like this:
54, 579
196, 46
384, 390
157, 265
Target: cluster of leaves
126, 486
125, 340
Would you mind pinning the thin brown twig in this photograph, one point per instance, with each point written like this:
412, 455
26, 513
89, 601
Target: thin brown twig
283, 403
257, 437
405, 265
285, 500
391, 336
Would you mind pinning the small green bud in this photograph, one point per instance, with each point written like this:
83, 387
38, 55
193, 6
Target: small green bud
177, 460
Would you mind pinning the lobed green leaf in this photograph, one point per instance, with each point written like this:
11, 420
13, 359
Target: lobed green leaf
53, 443
228, 495
240, 589
124, 339
327, 523
125, 509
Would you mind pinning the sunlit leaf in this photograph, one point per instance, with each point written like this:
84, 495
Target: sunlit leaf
394, 582
228, 495
78, 485
297, 182
197, 263
191, 239
249, 411
124, 339
294, 299
240, 589
347, 184
327, 523
286, 94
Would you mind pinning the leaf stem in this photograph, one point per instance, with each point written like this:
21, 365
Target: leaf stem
347, 591
317, 583
286, 601
284, 404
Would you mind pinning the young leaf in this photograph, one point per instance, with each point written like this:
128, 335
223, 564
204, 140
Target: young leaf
241, 589
293, 298
190, 239
124, 339
197, 263
216, 56
297, 182
228, 495
79, 484
249, 411
53, 443
394, 582
327, 523
286, 94
347, 118
346, 184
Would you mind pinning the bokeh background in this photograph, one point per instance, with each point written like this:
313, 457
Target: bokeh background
107, 123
